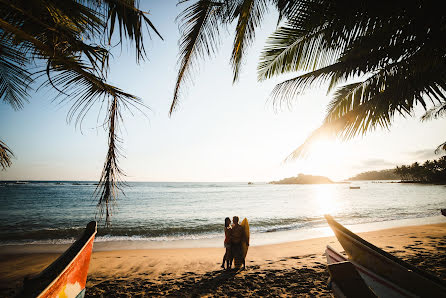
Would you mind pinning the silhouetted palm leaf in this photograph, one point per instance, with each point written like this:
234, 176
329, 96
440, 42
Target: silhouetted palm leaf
14, 78
5, 156
250, 13
199, 38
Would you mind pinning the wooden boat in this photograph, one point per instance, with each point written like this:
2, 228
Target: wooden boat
389, 268
345, 281
66, 276
443, 211
380, 286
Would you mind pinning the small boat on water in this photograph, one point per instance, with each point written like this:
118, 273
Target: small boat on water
66, 276
355, 187
383, 268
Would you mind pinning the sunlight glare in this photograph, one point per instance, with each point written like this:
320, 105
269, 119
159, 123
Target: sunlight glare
325, 196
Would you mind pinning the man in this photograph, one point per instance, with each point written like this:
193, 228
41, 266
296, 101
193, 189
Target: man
237, 238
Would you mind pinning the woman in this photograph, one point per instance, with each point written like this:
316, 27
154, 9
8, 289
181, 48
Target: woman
227, 244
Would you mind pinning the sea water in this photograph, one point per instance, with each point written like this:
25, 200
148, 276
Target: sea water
192, 214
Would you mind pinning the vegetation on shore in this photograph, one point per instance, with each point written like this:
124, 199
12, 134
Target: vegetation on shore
304, 179
431, 171
388, 174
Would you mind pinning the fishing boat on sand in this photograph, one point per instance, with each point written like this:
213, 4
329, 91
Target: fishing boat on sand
66, 276
385, 274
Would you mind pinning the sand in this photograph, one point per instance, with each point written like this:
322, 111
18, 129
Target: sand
286, 269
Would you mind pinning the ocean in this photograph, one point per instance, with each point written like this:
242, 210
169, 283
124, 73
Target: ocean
190, 214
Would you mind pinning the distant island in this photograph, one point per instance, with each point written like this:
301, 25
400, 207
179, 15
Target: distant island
388, 174
304, 179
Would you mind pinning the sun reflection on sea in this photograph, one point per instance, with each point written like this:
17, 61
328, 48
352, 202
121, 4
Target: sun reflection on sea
326, 196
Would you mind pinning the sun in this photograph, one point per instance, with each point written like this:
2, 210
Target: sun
327, 158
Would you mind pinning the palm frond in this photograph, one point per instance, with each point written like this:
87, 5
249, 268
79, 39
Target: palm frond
199, 30
250, 14
441, 148
292, 49
110, 182
14, 78
130, 20
5, 155
435, 112
362, 107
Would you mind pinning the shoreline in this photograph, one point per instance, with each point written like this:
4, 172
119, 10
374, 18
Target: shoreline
257, 239
272, 269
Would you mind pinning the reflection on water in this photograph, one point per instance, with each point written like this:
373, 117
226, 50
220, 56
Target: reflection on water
325, 196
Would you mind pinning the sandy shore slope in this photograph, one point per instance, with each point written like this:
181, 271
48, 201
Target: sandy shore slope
292, 268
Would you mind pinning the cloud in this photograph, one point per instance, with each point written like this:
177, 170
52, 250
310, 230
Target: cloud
376, 163
424, 154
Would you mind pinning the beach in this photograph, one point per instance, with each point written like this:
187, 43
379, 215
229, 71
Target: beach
284, 269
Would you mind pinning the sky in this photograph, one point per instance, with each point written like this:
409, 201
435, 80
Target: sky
220, 131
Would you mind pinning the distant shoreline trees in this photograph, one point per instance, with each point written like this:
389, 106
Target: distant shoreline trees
431, 171
388, 174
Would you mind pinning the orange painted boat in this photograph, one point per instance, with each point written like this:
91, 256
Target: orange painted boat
66, 276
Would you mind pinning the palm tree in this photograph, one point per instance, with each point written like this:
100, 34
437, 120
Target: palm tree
68, 43
378, 58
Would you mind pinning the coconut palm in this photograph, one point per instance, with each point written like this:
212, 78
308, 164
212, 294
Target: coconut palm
66, 44
378, 58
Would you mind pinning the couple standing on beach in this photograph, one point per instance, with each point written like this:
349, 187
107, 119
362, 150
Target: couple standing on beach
234, 237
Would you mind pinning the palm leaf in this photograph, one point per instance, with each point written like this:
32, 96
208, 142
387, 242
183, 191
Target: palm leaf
14, 78
5, 155
110, 183
292, 49
250, 14
130, 19
200, 30
362, 107
435, 112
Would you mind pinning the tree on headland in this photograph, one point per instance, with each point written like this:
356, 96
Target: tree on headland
379, 58
67, 44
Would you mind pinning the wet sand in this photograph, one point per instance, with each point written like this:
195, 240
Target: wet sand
286, 269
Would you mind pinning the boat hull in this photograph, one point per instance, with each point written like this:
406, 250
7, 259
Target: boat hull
380, 286
404, 275
67, 276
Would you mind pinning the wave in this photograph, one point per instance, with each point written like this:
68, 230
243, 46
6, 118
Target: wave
172, 230
172, 233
